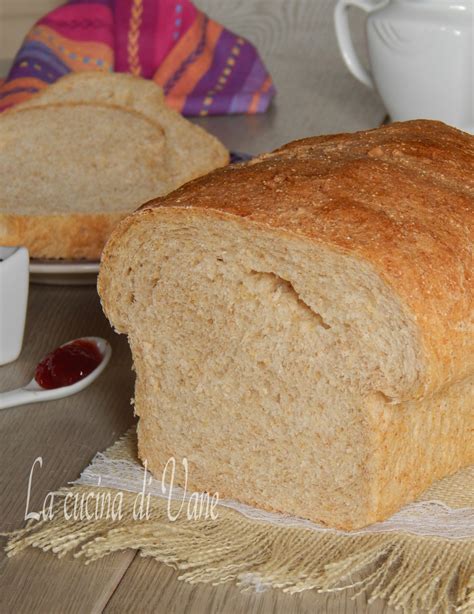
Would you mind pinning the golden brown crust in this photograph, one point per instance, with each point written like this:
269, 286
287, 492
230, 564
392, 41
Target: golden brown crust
82, 236
400, 197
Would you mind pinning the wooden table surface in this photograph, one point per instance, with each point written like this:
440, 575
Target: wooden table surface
315, 95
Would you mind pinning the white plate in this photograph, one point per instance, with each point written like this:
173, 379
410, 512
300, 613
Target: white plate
64, 272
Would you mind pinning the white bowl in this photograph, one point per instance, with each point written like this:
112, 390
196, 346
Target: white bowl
14, 278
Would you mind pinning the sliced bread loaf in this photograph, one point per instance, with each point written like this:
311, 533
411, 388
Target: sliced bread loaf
70, 172
86, 151
301, 326
190, 150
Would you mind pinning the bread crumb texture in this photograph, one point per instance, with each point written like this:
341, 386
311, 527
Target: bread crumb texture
301, 325
87, 151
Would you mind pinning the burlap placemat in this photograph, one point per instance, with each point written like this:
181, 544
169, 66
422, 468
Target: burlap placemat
421, 559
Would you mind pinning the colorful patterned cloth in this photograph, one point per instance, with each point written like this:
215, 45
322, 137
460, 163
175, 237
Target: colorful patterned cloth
203, 68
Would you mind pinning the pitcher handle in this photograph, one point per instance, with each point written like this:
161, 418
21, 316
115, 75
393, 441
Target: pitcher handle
344, 38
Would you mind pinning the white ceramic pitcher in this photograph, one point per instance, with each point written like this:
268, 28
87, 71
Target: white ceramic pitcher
421, 55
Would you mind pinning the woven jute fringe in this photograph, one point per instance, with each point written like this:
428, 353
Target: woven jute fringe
411, 572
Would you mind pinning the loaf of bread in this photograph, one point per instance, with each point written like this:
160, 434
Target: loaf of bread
190, 150
302, 325
87, 151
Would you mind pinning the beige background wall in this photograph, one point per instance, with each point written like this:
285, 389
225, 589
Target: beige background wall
16, 18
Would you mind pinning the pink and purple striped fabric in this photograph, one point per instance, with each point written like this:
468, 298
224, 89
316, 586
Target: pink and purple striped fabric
203, 68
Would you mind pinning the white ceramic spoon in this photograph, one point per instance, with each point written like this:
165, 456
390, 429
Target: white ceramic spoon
34, 393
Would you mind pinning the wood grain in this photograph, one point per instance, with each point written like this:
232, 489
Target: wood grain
66, 434
16, 18
157, 589
38, 582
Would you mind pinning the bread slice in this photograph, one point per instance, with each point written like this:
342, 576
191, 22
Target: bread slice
301, 326
70, 172
121, 89
190, 150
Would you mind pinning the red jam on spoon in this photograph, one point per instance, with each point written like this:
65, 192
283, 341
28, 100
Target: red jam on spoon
68, 364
